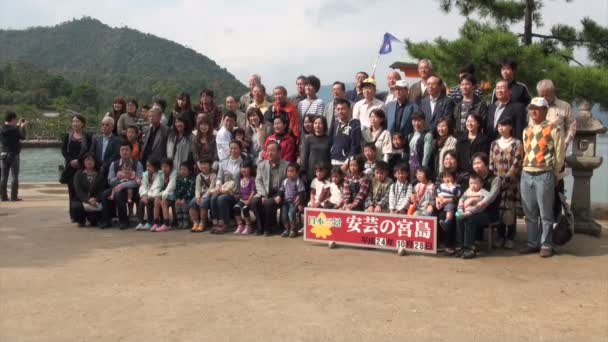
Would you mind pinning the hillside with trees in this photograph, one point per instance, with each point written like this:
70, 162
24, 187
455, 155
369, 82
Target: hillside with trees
117, 61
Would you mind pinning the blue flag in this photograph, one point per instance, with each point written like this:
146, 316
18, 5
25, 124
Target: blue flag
386, 43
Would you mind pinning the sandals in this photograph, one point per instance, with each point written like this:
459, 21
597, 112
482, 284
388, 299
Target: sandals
219, 230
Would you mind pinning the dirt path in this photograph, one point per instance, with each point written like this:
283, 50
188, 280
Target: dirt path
63, 283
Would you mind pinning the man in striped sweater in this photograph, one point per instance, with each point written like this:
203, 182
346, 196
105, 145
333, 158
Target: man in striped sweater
543, 160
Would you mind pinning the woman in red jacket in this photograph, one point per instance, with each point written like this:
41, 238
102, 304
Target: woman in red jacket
285, 140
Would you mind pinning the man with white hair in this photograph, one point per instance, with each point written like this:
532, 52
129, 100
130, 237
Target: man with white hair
247, 98
419, 90
559, 112
392, 77
106, 145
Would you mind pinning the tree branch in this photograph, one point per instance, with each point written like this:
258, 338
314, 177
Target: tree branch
537, 35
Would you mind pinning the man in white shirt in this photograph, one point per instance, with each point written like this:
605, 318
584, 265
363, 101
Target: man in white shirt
364, 108
224, 136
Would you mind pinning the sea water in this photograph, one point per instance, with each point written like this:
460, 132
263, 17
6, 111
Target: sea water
40, 165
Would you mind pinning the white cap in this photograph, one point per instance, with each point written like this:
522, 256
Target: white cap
402, 84
538, 102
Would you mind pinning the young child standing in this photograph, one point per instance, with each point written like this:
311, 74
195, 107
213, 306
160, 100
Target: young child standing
369, 151
184, 192
167, 195
423, 196
467, 205
320, 187
151, 185
377, 201
356, 185
400, 193
245, 196
399, 154
336, 190
133, 138
292, 192
199, 204
448, 193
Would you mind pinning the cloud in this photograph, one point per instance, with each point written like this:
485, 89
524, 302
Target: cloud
330, 10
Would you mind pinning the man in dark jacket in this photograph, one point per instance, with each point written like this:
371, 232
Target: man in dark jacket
436, 104
345, 136
356, 95
399, 112
106, 145
469, 104
505, 107
11, 134
155, 138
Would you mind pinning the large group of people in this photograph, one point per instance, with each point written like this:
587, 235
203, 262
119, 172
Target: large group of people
421, 149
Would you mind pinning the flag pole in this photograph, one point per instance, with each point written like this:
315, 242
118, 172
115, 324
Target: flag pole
375, 65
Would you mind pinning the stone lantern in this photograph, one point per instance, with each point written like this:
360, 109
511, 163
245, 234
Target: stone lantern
583, 161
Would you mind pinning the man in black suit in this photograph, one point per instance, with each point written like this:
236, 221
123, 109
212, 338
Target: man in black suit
504, 107
355, 95
154, 141
437, 104
106, 146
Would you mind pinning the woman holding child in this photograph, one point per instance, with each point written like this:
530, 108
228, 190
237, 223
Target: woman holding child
482, 208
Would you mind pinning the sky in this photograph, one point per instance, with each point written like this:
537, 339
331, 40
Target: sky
280, 40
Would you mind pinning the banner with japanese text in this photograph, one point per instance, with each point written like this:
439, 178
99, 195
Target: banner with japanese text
376, 230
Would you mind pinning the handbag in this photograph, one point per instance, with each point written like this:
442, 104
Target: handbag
63, 174
563, 229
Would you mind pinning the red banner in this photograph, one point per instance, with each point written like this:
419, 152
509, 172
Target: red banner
375, 230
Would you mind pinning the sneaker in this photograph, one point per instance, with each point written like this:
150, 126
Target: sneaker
163, 228
293, 234
239, 229
247, 230
468, 254
546, 252
509, 244
267, 233
529, 250
154, 228
285, 233
139, 226
147, 226
301, 231
499, 242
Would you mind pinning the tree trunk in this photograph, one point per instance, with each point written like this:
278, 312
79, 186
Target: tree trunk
528, 22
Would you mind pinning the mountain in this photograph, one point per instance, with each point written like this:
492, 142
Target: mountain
118, 61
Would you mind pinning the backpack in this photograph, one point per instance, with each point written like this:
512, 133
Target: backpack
563, 229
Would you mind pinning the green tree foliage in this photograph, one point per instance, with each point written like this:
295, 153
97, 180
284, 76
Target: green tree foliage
31, 91
486, 45
117, 61
593, 37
